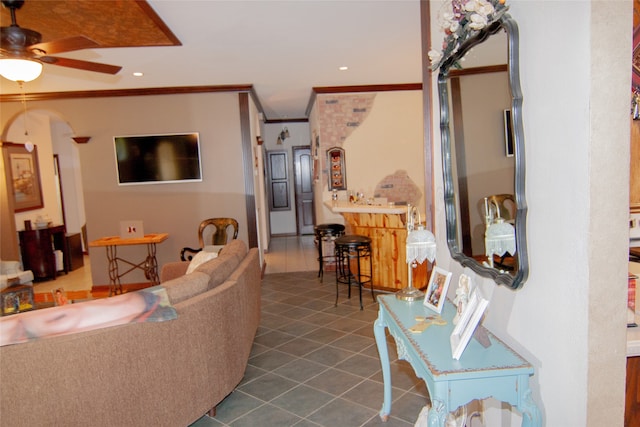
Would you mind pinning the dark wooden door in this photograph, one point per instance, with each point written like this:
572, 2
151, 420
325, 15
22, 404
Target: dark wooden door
303, 181
278, 181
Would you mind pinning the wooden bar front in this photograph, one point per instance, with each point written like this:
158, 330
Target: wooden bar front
388, 234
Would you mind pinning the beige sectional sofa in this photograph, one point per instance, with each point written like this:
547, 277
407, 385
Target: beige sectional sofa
143, 374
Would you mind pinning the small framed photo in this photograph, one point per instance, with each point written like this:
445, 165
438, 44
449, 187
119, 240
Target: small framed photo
437, 289
468, 323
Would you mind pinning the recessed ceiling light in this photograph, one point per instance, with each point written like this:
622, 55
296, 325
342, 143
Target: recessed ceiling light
138, 74
343, 68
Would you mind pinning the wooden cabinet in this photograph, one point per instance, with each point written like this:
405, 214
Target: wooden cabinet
37, 248
388, 235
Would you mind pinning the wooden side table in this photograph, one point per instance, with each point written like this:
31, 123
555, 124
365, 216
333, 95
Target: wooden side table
496, 371
149, 265
37, 248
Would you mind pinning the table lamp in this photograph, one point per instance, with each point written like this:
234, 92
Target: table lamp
421, 245
500, 238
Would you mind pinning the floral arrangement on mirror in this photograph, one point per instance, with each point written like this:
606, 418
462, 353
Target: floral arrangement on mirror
461, 20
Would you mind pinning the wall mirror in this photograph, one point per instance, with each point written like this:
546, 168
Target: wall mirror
483, 154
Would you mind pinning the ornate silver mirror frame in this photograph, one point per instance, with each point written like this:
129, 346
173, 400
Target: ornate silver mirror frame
516, 279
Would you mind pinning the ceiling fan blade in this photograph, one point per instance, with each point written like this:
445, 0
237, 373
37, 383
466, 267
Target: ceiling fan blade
67, 44
81, 65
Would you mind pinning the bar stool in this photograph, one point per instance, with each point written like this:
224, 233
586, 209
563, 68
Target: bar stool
357, 249
326, 233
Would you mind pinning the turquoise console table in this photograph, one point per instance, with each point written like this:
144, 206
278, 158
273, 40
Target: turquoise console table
496, 371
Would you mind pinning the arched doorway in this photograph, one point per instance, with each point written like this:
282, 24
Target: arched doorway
59, 164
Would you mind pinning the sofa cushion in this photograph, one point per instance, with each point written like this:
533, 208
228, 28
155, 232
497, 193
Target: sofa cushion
186, 286
220, 268
206, 254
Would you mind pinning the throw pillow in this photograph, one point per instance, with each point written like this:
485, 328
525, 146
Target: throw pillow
206, 254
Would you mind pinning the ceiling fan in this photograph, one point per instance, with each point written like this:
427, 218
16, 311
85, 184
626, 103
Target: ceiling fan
22, 47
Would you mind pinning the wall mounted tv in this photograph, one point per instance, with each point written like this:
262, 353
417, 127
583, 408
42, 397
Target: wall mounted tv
157, 159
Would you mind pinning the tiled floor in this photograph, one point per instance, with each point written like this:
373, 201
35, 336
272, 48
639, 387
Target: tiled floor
76, 280
312, 363
291, 253
315, 364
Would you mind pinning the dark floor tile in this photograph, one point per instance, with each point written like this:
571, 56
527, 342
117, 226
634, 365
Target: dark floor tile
402, 375
297, 313
270, 360
408, 406
251, 373
317, 304
334, 381
355, 343
300, 346
206, 421
257, 349
347, 324
329, 355
306, 423
341, 310
365, 331
275, 307
273, 339
297, 328
273, 321
300, 370
368, 315
267, 386
367, 393
234, 406
302, 400
340, 412
321, 318
296, 299
391, 422
324, 335
267, 415
372, 351
363, 366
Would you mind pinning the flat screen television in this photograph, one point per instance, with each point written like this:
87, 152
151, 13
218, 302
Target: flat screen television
156, 159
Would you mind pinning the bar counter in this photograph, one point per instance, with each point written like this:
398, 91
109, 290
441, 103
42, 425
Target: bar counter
386, 227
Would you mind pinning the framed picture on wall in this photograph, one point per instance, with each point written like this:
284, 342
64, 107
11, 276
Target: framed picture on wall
24, 175
508, 134
337, 169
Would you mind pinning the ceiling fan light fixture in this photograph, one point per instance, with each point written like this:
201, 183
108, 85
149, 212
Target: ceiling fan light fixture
20, 70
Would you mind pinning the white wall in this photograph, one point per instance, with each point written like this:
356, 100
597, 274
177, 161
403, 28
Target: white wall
568, 319
69, 164
177, 208
388, 139
284, 222
38, 127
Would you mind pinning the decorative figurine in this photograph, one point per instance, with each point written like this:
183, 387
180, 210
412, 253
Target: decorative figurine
59, 297
462, 296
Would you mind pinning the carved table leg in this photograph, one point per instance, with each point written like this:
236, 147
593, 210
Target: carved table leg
437, 414
381, 342
151, 265
115, 287
531, 416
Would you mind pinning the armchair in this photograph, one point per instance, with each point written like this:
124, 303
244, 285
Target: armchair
11, 273
219, 235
